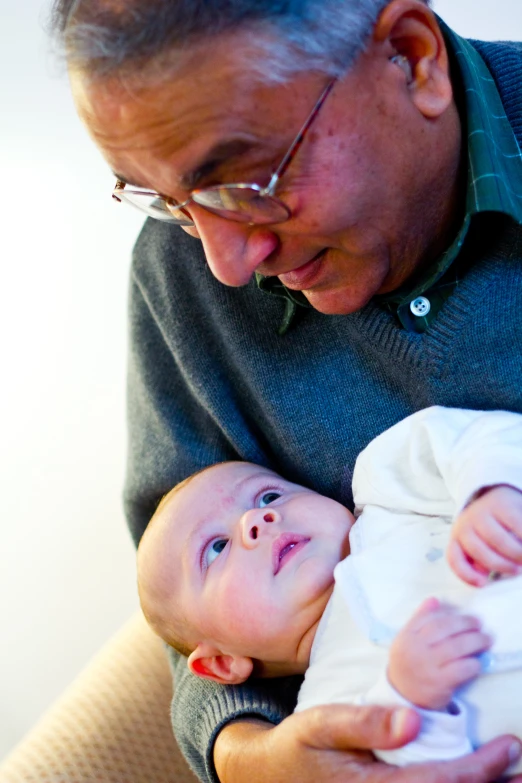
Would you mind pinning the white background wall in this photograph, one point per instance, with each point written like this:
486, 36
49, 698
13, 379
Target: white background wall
66, 561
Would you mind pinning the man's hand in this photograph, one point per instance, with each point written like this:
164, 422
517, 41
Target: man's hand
487, 536
332, 744
434, 653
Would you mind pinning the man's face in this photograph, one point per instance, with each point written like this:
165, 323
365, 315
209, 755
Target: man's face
248, 560
369, 190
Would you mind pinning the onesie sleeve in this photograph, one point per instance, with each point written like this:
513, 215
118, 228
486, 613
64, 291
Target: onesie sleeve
436, 460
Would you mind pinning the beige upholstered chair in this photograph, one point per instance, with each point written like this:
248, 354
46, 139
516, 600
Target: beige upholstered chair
112, 724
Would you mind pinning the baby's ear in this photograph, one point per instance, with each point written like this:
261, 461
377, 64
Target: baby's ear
208, 662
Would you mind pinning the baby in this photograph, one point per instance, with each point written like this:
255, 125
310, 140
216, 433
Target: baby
247, 573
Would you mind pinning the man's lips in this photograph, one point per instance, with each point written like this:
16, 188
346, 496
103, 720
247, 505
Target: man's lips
285, 547
304, 276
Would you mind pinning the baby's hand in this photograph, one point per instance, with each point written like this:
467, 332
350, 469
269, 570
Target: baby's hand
487, 536
435, 653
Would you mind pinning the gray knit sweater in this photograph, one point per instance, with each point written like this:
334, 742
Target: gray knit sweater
210, 380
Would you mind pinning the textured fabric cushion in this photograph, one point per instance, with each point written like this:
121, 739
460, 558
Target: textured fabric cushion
112, 724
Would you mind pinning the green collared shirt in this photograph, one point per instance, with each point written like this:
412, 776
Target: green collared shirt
494, 186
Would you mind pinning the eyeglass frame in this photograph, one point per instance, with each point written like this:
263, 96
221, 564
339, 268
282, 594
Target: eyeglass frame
268, 190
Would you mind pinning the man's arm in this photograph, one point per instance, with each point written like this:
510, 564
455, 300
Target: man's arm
201, 709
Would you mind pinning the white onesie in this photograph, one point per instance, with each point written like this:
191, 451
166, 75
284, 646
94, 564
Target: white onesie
409, 485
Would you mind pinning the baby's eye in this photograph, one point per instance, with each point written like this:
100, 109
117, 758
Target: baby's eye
268, 497
215, 549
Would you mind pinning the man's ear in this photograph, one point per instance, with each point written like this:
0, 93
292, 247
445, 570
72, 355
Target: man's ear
208, 662
410, 29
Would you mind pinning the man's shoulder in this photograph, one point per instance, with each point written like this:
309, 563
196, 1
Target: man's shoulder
503, 58
500, 56
504, 61
496, 44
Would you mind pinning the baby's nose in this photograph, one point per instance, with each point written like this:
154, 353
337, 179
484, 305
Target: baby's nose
268, 517
255, 523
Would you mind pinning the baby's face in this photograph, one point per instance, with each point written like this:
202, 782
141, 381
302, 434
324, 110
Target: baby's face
250, 560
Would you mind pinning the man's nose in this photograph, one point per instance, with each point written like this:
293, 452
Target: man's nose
233, 250
256, 524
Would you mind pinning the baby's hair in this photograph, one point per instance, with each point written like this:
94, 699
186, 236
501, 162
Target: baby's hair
173, 640
156, 619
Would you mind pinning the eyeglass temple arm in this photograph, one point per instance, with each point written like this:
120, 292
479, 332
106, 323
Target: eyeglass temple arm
296, 144
119, 186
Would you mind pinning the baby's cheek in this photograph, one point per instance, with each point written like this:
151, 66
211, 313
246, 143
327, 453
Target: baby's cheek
246, 605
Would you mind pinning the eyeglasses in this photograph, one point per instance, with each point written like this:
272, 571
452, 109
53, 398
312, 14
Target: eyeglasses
243, 202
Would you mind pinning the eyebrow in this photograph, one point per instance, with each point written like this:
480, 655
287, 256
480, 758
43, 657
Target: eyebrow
214, 158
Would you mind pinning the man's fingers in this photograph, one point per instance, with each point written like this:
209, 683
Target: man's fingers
485, 765
346, 728
343, 727
331, 743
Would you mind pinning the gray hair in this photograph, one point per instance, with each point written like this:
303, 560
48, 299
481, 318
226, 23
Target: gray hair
281, 37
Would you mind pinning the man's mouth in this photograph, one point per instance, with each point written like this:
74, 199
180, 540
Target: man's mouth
285, 547
304, 276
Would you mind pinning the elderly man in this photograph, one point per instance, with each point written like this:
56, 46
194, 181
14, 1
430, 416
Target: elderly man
372, 267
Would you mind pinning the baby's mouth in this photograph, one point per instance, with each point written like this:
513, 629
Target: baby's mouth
285, 547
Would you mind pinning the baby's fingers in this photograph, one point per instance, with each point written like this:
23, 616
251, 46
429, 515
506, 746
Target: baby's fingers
483, 555
463, 645
456, 673
461, 565
505, 543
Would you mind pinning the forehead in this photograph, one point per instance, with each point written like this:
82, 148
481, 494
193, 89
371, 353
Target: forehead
222, 484
212, 99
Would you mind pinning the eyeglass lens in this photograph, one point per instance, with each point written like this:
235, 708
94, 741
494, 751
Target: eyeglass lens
245, 204
153, 205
